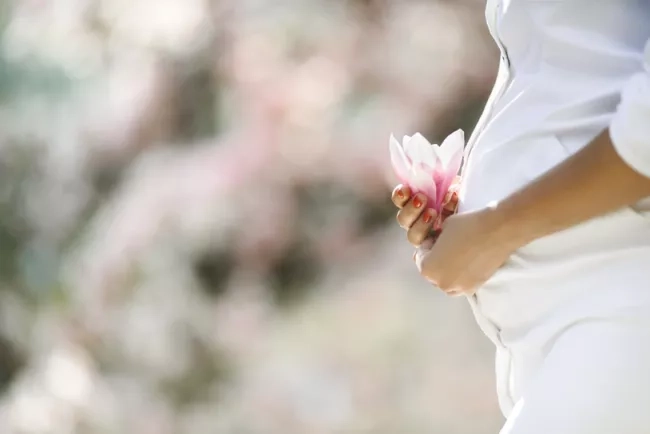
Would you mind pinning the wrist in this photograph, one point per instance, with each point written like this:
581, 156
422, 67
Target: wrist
510, 227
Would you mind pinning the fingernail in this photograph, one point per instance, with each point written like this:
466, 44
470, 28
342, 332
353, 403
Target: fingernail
400, 193
417, 202
428, 216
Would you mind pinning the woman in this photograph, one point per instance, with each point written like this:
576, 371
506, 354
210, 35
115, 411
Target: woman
551, 244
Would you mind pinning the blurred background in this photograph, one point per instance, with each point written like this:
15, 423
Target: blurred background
196, 234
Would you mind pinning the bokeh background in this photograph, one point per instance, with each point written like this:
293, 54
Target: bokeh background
195, 227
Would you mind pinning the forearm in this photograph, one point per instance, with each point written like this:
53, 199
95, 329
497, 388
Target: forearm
591, 183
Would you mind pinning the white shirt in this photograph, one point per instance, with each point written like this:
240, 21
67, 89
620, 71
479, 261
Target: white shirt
569, 69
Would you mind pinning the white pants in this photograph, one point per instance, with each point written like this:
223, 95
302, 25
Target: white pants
570, 316
594, 380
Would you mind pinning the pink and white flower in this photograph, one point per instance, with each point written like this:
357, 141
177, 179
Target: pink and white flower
426, 168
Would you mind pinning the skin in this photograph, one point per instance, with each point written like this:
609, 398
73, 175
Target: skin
471, 247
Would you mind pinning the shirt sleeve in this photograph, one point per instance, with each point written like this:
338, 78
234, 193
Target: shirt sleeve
630, 128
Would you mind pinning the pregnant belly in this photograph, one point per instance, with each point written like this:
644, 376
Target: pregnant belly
606, 258
590, 269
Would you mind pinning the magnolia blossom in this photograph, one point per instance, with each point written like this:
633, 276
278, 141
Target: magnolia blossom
426, 168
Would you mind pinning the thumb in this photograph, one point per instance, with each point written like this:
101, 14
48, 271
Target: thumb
421, 252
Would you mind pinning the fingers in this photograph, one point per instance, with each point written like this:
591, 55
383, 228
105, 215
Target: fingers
418, 256
451, 202
411, 211
449, 207
422, 259
401, 195
421, 229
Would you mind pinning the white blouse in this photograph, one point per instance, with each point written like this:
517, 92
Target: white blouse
569, 69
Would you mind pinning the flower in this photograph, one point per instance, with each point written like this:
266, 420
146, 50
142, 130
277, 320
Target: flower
426, 168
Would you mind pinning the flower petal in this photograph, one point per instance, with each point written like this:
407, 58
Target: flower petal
440, 180
419, 150
453, 144
444, 176
401, 163
421, 181
455, 161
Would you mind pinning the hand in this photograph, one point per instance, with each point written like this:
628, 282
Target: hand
414, 216
468, 251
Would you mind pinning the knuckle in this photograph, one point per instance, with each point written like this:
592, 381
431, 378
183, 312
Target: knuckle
446, 286
401, 219
415, 236
406, 217
431, 276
